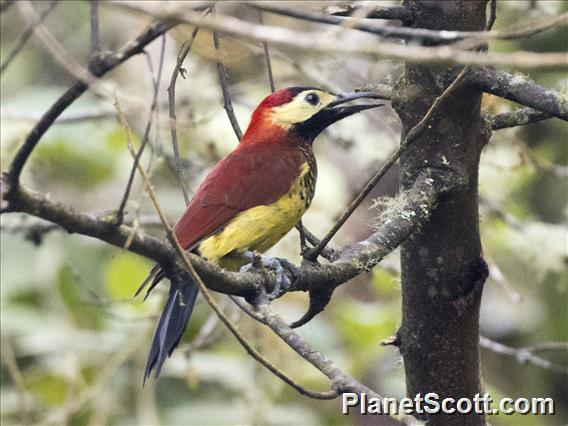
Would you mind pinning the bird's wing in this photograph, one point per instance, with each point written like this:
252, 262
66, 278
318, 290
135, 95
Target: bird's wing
249, 176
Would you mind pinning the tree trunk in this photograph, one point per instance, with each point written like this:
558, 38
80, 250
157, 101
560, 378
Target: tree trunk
442, 266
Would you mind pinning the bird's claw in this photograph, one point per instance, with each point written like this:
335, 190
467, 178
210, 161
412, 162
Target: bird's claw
280, 267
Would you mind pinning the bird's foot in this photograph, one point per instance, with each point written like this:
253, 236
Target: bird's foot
281, 268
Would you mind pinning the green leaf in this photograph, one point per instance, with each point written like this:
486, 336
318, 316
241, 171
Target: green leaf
362, 326
49, 388
385, 283
124, 274
30, 298
83, 314
116, 140
61, 162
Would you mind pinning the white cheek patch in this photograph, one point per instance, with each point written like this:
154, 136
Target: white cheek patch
294, 112
299, 110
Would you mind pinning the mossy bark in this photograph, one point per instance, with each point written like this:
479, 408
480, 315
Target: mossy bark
442, 266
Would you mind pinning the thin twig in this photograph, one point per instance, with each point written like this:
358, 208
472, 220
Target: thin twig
184, 51
67, 118
412, 135
9, 357
341, 382
524, 355
213, 304
185, 48
355, 23
500, 213
538, 162
267, 57
95, 37
106, 374
110, 62
205, 336
88, 75
548, 346
119, 217
224, 80
26, 36
153, 147
66, 60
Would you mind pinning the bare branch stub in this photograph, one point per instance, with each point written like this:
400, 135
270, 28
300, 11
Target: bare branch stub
519, 117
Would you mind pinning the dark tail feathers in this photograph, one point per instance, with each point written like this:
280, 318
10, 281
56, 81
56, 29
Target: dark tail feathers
173, 320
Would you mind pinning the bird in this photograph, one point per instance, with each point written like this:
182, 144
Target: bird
251, 198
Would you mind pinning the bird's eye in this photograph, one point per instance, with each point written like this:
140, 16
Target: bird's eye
312, 98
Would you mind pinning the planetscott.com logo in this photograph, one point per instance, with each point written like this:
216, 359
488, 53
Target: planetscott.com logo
431, 403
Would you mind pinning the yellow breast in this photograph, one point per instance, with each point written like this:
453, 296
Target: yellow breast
260, 227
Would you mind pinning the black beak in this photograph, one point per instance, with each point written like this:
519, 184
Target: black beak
333, 112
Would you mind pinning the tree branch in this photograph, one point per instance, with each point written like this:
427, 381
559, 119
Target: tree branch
520, 89
351, 260
305, 41
341, 382
103, 228
400, 13
526, 29
526, 354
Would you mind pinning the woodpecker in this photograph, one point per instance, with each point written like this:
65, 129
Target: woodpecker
251, 198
